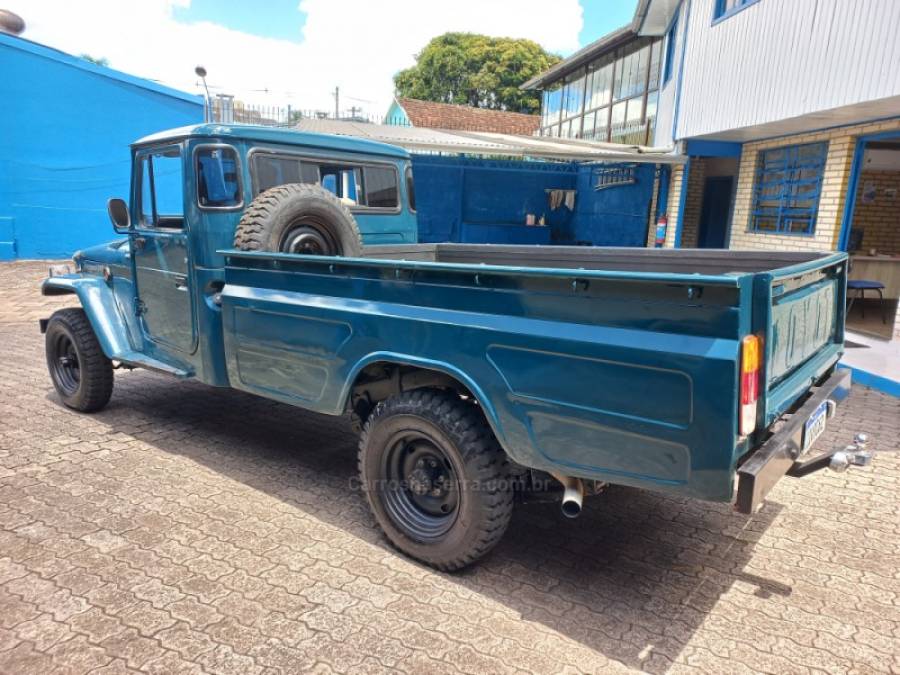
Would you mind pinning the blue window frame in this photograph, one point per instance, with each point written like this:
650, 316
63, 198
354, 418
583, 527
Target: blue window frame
725, 8
787, 189
671, 35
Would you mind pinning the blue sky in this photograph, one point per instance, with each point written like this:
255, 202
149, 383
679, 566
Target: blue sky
281, 19
604, 16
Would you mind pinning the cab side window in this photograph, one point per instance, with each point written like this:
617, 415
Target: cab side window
218, 180
162, 189
359, 186
269, 171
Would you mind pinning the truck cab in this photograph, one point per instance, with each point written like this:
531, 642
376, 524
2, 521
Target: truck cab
190, 187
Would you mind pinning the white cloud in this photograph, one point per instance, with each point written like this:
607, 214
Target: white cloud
355, 44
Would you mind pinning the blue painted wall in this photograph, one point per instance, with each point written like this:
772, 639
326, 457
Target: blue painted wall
486, 201
614, 216
66, 127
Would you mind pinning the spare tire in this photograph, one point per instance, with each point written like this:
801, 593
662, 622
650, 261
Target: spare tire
298, 218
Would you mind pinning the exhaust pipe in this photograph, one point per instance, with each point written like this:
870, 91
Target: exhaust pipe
573, 495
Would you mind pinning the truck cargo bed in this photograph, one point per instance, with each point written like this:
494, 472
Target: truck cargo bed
673, 261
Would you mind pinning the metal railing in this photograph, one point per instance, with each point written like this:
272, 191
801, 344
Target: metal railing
225, 110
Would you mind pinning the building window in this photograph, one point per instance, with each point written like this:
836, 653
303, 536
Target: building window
613, 98
787, 189
671, 38
725, 8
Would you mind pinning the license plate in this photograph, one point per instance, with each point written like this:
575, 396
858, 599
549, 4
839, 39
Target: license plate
815, 426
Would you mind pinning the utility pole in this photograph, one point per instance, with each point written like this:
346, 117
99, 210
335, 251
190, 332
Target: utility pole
337, 102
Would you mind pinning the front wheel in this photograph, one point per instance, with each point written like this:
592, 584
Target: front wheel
81, 372
436, 479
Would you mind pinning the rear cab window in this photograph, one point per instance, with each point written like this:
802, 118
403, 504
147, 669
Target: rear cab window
361, 186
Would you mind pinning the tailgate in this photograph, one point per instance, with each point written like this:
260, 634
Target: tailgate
805, 328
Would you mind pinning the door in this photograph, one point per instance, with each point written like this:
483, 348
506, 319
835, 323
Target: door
715, 211
159, 246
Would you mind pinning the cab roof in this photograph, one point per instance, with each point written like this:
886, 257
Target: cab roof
277, 135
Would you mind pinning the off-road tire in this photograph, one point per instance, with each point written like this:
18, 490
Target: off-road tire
277, 212
70, 335
485, 492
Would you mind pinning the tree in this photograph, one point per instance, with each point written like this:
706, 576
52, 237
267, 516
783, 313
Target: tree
476, 70
101, 61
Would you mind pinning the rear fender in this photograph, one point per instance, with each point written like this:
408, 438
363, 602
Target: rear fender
100, 306
490, 412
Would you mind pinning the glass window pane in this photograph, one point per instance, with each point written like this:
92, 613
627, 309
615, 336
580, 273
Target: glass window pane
162, 189
655, 57
786, 192
638, 74
269, 171
601, 125
588, 128
617, 80
217, 178
381, 187
652, 101
618, 113
410, 189
634, 110
146, 193
169, 186
602, 86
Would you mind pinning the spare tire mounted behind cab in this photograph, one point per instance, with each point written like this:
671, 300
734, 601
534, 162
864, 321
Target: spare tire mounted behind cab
298, 218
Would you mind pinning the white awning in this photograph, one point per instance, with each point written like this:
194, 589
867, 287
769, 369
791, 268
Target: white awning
418, 139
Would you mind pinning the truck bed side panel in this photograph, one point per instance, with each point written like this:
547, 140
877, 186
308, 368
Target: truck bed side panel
619, 382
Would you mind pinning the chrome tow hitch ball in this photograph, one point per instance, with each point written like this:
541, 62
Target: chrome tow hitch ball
862, 456
855, 454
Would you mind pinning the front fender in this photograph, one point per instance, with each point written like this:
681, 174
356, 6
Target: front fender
99, 303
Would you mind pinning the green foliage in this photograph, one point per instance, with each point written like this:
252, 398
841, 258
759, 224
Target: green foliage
102, 61
476, 70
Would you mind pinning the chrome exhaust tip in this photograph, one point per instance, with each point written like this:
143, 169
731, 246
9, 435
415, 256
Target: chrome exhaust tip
573, 495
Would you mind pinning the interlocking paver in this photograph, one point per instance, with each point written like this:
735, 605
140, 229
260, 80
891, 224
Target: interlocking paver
190, 529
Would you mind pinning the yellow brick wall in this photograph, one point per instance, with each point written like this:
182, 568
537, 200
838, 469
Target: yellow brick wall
651, 225
879, 219
675, 181
841, 147
693, 203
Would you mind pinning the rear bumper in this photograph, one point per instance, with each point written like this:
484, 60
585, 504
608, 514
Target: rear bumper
780, 454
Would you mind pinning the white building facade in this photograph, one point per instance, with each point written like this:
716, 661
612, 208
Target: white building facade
790, 113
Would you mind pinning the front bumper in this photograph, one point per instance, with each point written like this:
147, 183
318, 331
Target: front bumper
780, 454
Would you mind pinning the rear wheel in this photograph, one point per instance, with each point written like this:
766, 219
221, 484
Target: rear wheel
435, 477
80, 371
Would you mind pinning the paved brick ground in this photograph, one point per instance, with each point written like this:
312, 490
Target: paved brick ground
186, 529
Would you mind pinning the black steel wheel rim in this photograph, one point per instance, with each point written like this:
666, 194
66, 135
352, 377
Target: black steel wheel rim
420, 487
66, 365
308, 236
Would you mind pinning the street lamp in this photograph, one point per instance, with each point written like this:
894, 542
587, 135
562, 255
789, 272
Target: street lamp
201, 73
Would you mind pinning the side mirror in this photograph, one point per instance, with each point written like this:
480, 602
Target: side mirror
118, 214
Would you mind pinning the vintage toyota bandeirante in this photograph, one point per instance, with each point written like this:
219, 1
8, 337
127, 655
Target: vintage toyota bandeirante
284, 264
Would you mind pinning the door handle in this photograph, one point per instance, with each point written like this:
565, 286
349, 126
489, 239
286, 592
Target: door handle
137, 243
181, 283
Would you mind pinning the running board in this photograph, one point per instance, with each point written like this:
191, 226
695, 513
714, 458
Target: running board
138, 360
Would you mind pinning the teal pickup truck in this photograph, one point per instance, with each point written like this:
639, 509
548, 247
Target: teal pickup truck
284, 264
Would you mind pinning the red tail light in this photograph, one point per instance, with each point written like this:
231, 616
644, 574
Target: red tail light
751, 361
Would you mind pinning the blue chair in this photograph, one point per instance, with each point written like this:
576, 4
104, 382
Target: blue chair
861, 286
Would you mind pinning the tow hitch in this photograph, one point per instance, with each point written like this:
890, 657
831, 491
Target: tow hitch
780, 455
839, 461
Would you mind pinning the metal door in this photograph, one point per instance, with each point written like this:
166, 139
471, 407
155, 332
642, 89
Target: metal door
159, 246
